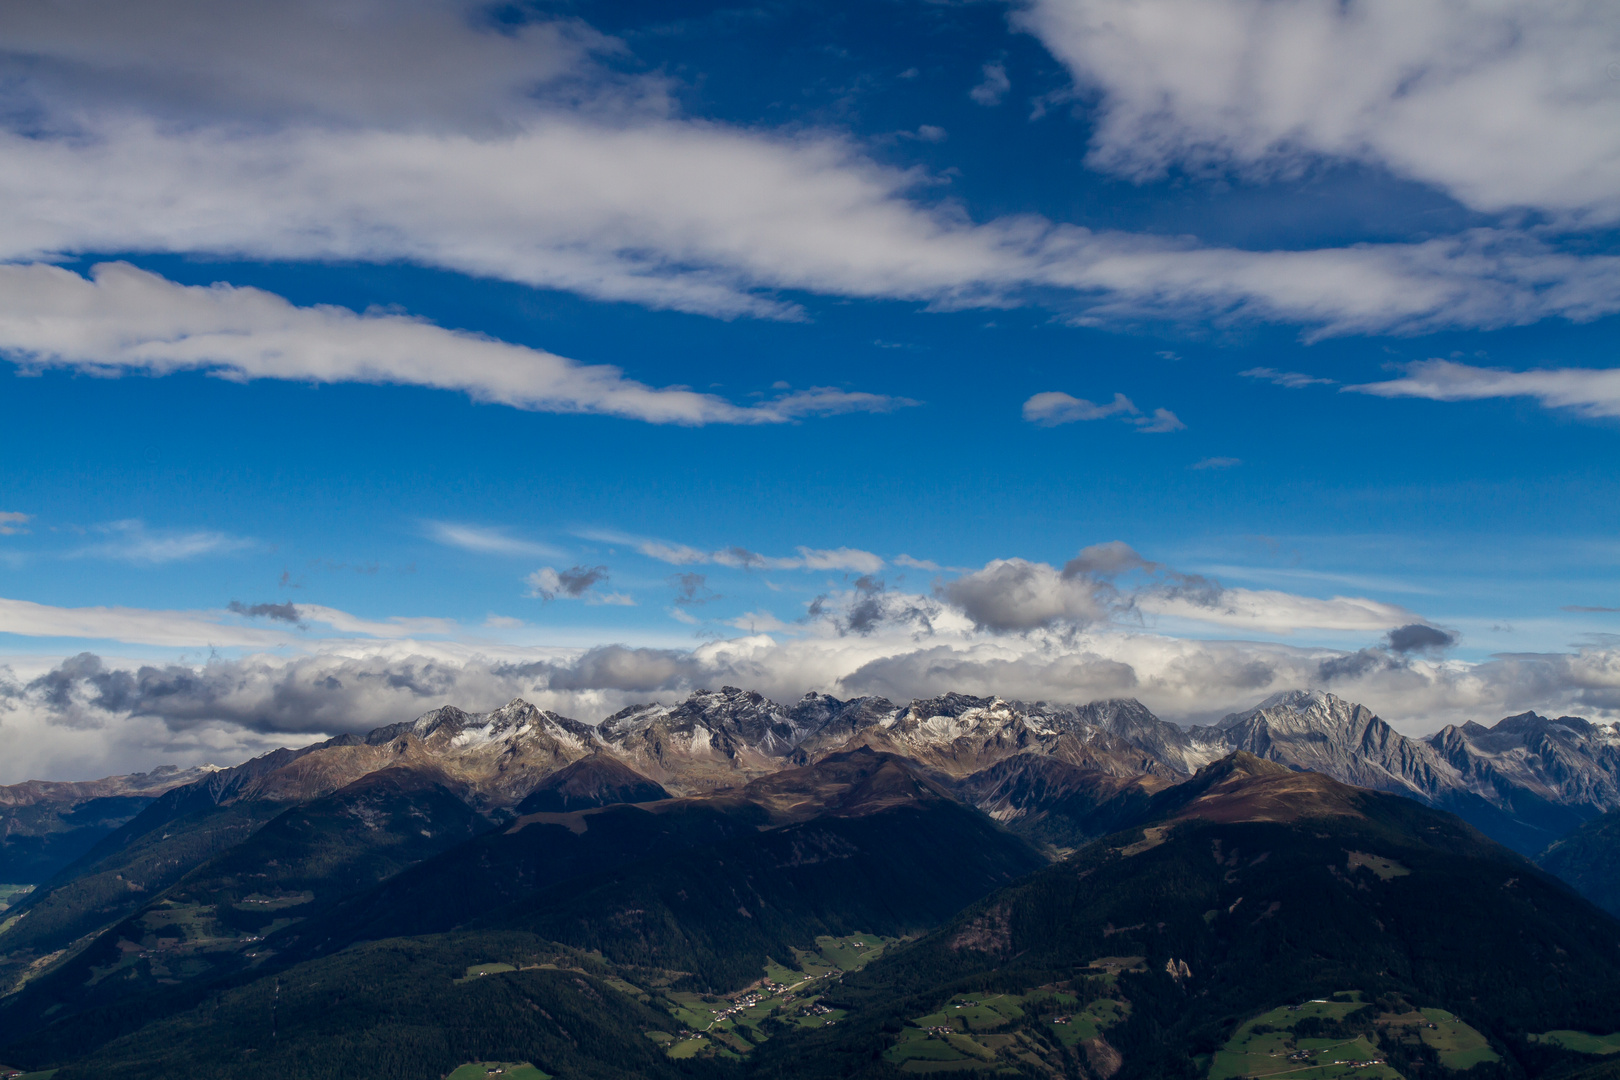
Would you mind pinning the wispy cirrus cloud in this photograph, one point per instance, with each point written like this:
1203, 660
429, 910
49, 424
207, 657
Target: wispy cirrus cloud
1588, 392
741, 558
1294, 380
231, 626
486, 540
132, 541
13, 522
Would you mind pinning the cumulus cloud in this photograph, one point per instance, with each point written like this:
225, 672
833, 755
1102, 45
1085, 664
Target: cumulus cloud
575, 583
1052, 408
1016, 594
1502, 107
1589, 392
77, 715
125, 319
12, 522
993, 87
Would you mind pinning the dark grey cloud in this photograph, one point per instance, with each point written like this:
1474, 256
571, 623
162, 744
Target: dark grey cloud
693, 589
1355, 665
576, 581
1105, 560
1420, 638
870, 606
285, 612
619, 667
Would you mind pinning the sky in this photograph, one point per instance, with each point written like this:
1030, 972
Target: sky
358, 358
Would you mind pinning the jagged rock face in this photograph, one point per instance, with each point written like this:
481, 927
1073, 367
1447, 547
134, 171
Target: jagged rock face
719, 739
1567, 760
1539, 776
1316, 731
493, 759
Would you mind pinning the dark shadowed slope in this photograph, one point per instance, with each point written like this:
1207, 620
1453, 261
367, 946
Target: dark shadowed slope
1589, 860
598, 780
1248, 888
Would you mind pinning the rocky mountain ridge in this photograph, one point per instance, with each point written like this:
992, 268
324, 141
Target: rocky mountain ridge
1527, 780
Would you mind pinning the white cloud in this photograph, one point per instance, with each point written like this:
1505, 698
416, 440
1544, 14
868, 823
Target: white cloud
137, 626
196, 629
993, 87
86, 716
485, 540
431, 136
1292, 379
1016, 594
1273, 612
1591, 392
1218, 463
916, 564
701, 218
126, 319
1502, 106
395, 626
757, 622
13, 522
132, 541
1053, 407
420, 63
741, 558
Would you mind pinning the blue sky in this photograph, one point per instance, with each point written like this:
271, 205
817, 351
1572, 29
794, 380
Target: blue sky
361, 361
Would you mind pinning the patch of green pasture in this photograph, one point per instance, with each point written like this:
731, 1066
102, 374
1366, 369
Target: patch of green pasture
1386, 869
662, 1038
476, 971
504, 1070
1458, 1045
1580, 1041
687, 1048
928, 1048
1089, 1022
853, 952
941, 1066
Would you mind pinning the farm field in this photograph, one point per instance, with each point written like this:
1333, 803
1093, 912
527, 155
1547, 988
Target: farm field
504, 1070
973, 1032
1581, 1042
734, 1024
1345, 1041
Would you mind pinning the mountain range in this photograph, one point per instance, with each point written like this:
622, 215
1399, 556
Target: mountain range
677, 852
